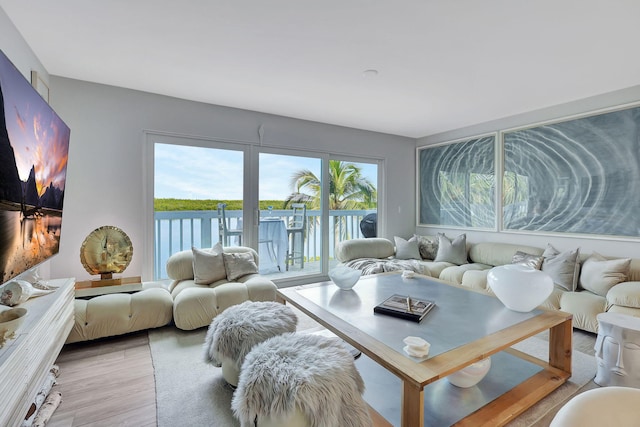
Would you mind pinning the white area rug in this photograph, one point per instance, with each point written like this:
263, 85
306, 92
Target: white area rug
192, 393
583, 371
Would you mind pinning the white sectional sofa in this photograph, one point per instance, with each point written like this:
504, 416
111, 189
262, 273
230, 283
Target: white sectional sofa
192, 300
195, 305
599, 284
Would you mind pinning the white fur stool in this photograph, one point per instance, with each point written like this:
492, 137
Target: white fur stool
300, 380
234, 332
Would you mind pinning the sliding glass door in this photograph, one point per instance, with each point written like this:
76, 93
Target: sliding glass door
196, 190
206, 192
290, 204
353, 200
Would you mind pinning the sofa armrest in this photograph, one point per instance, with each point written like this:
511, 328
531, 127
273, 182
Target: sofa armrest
375, 247
625, 294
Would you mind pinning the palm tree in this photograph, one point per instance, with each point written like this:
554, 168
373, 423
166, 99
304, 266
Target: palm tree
348, 189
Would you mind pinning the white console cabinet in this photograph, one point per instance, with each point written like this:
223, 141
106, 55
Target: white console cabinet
26, 360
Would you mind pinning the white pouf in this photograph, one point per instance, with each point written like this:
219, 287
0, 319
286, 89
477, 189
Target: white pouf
305, 377
234, 332
607, 406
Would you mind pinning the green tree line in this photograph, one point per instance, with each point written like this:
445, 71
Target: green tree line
208, 204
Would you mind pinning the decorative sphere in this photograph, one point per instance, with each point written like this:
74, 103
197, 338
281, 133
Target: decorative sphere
345, 277
518, 287
471, 375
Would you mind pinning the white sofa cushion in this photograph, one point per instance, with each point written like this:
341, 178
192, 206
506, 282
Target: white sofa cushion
585, 307
180, 266
456, 273
195, 306
375, 247
625, 294
116, 314
498, 253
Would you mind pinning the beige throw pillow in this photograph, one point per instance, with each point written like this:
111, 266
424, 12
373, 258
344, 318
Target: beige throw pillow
563, 267
239, 264
600, 274
454, 251
208, 265
528, 260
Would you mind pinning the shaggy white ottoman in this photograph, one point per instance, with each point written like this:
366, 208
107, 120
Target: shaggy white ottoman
300, 380
234, 332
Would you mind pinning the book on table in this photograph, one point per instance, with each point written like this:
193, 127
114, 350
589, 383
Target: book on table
405, 307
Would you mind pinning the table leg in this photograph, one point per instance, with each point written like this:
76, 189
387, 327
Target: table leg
560, 345
412, 405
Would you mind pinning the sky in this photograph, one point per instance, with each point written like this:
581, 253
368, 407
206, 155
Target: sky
187, 172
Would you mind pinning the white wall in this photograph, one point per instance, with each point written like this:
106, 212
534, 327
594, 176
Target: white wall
20, 54
18, 51
106, 162
602, 244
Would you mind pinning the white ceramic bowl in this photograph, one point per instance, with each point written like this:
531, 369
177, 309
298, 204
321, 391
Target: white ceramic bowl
518, 287
10, 321
471, 375
345, 277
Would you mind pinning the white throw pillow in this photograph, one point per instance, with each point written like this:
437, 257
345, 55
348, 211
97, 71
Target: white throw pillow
600, 274
208, 265
406, 249
454, 251
239, 264
563, 267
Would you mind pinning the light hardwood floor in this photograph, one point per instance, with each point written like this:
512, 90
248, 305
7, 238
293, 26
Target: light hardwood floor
110, 382
106, 382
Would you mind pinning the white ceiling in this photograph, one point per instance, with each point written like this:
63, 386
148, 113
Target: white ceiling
442, 64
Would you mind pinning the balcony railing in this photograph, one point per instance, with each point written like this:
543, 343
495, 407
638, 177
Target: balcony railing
180, 230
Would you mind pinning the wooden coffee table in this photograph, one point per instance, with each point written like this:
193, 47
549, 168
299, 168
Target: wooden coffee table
465, 327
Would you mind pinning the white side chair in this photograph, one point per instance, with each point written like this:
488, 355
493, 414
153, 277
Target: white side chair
606, 406
295, 235
225, 232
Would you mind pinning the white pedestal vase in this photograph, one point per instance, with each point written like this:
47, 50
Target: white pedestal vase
471, 375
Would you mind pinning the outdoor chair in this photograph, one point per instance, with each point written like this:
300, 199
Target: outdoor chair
295, 235
224, 230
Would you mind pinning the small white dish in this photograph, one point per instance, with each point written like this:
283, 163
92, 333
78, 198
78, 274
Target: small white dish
416, 346
10, 321
408, 274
